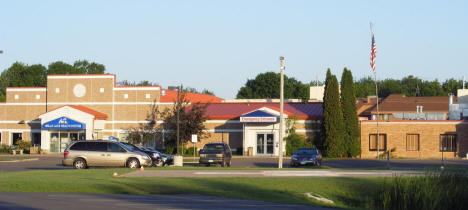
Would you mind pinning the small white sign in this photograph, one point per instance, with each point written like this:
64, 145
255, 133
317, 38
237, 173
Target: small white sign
194, 138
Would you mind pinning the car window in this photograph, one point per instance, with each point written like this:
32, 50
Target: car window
114, 148
78, 146
306, 152
96, 146
213, 147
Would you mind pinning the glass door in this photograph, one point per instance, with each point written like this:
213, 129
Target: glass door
265, 142
64, 141
260, 144
269, 144
54, 138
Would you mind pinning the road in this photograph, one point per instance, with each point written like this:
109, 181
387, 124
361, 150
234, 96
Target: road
30, 201
53, 162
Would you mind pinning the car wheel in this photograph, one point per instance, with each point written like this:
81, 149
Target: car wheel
79, 163
133, 163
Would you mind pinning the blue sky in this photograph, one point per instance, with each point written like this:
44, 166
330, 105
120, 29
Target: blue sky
218, 45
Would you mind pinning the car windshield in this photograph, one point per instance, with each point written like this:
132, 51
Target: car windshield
130, 147
213, 147
306, 152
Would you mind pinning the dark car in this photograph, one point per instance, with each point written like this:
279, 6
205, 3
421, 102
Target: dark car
306, 156
155, 158
215, 153
164, 159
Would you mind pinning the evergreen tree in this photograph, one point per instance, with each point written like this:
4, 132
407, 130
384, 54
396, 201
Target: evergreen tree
332, 125
348, 101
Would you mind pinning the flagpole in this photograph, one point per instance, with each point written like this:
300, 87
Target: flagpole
376, 94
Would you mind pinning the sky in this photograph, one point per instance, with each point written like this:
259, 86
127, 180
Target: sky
219, 45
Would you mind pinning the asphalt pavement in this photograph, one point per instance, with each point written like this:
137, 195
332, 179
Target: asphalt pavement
31, 201
54, 162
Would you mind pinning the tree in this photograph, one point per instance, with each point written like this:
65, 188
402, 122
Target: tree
451, 86
191, 119
332, 126
348, 101
84, 67
22, 75
145, 133
267, 85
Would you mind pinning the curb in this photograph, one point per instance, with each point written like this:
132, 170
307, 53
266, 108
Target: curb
23, 160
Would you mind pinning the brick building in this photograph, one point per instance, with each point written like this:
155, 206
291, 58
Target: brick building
74, 107
414, 127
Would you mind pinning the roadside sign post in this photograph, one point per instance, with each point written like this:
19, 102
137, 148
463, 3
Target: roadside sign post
194, 140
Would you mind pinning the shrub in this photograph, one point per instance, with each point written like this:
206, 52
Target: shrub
189, 151
295, 141
5, 149
24, 145
432, 191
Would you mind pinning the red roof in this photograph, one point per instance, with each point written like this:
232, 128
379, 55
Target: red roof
96, 114
171, 96
235, 110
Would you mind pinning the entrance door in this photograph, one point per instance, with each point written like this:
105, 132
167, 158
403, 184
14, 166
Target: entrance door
64, 141
265, 142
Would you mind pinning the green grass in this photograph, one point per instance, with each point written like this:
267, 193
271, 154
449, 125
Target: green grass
433, 191
345, 192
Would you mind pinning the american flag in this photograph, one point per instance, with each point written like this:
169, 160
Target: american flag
372, 54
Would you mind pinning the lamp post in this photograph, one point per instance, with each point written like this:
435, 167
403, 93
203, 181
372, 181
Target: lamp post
178, 88
280, 159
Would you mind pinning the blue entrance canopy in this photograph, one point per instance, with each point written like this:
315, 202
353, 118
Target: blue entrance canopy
63, 123
259, 116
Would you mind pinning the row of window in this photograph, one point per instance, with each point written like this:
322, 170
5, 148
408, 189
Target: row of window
447, 142
147, 96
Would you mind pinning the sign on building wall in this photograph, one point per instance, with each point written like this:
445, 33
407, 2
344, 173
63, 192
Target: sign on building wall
63, 123
258, 116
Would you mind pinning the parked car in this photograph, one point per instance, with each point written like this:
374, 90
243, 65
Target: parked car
306, 156
166, 159
155, 158
82, 154
215, 153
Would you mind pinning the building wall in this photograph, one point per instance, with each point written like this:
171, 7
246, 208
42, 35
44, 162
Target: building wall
429, 137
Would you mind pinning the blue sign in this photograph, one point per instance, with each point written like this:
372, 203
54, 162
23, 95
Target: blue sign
63, 123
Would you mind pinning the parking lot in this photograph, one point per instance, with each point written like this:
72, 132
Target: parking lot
53, 162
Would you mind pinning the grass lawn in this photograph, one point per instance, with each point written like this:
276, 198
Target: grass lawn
345, 192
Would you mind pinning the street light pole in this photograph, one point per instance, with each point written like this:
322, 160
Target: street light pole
178, 119
280, 160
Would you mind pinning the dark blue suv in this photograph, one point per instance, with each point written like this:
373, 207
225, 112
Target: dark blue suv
306, 156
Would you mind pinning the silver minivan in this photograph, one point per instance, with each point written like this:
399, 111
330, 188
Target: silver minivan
82, 154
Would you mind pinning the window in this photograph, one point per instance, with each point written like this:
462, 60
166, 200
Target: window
38, 97
373, 142
79, 146
147, 95
114, 148
412, 142
16, 97
101, 90
125, 95
448, 142
96, 146
57, 90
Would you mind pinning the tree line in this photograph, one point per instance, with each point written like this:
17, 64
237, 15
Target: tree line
409, 86
23, 75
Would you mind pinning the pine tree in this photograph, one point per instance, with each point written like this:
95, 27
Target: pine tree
332, 125
348, 101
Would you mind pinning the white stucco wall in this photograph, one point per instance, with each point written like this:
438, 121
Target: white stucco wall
68, 112
250, 136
